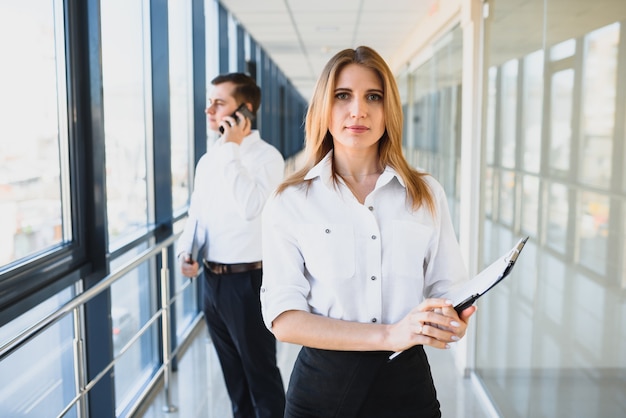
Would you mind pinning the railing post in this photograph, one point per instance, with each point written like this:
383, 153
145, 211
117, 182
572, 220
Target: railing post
79, 362
165, 326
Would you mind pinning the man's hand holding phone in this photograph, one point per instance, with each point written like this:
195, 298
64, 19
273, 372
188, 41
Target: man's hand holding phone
238, 125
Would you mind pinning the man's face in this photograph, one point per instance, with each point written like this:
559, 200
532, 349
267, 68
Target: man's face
221, 103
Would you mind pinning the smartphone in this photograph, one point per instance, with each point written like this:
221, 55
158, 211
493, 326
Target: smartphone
241, 109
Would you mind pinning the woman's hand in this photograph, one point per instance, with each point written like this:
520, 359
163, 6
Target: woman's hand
433, 322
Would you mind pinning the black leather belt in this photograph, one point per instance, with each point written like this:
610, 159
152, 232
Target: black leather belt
217, 268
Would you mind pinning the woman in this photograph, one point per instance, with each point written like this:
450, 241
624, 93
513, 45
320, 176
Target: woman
358, 247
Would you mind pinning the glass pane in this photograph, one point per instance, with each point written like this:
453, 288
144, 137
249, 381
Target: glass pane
436, 115
38, 379
533, 111
34, 315
508, 116
133, 302
552, 289
507, 197
593, 233
623, 260
561, 119
186, 296
551, 341
587, 296
125, 121
181, 99
598, 106
563, 50
490, 128
33, 129
530, 205
488, 192
558, 214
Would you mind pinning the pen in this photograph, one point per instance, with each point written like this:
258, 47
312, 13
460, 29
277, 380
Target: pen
516, 251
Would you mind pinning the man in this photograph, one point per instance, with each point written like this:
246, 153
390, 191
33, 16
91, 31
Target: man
233, 180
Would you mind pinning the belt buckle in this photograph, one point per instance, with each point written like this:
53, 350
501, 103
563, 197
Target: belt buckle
216, 268
213, 267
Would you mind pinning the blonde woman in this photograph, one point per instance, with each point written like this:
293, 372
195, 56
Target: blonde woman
357, 249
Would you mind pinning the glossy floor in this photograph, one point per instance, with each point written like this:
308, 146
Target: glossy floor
197, 389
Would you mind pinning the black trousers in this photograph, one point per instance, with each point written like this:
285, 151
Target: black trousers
346, 384
245, 347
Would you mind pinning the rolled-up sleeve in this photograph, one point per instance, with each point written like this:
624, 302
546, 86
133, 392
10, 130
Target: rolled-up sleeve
285, 286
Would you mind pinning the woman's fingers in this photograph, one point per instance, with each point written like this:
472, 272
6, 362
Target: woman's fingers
467, 313
434, 303
439, 321
435, 323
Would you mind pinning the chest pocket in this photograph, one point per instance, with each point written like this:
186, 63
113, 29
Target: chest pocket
328, 250
409, 246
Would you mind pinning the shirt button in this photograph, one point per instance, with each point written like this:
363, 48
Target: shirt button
373, 236
374, 320
262, 290
373, 278
327, 231
371, 208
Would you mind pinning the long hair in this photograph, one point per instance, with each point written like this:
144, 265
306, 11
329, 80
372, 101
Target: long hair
319, 141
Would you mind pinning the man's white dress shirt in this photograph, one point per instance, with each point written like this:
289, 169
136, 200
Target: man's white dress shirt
232, 183
325, 253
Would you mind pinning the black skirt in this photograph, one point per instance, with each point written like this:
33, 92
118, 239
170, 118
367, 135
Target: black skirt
347, 384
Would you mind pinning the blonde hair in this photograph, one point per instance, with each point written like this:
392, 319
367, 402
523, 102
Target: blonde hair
319, 140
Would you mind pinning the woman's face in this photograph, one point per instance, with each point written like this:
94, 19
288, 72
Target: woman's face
357, 119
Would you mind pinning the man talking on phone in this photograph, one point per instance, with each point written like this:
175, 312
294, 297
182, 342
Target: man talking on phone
232, 182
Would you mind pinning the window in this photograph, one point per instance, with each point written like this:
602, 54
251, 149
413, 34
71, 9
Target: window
37, 380
126, 88
593, 230
561, 120
181, 101
34, 184
133, 303
435, 116
530, 205
532, 111
508, 116
598, 106
558, 215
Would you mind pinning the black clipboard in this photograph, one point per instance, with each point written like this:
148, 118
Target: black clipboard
465, 296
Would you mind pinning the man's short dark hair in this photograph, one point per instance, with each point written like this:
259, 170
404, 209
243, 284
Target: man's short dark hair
246, 89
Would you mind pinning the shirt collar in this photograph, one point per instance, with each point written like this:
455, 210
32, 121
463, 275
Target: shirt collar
323, 170
252, 137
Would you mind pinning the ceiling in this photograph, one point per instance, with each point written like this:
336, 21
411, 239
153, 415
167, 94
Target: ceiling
301, 36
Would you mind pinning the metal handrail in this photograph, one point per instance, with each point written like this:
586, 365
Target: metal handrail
76, 302
82, 298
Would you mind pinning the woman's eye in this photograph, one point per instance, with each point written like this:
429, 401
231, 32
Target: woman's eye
341, 96
374, 97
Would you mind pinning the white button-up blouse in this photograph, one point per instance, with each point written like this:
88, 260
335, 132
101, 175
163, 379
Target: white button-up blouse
325, 253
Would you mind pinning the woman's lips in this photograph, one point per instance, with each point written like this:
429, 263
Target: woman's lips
357, 128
